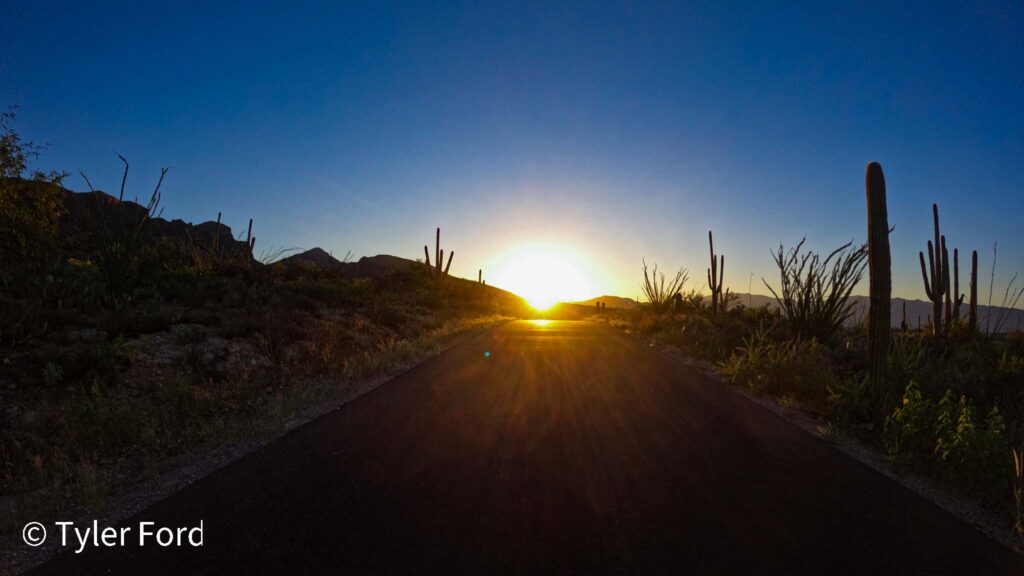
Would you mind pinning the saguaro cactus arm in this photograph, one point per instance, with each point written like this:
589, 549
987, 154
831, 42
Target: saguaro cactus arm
924, 276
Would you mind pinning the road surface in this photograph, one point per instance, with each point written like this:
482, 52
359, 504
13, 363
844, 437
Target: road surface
558, 448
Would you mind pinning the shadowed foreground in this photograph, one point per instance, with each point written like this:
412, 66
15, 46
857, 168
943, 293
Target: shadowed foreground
570, 448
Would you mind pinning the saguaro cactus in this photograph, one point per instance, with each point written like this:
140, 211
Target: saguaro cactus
436, 269
948, 314
973, 314
879, 269
958, 298
715, 275
935, 289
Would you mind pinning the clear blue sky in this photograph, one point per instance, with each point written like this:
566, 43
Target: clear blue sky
622, 130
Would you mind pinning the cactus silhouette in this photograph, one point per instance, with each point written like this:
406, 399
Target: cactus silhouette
436, 269
958, 298
880, 271
715, 274
934, 289
973, 314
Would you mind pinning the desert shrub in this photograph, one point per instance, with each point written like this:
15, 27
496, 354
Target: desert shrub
150, 317
797, 367
947, 437
985, 370
29, 210
652, 323
178, 414
100, 424
974, 451
30, 215
693, 302
908, 354
710, 338
191, 287
1015, 342
759, 315
332, 292
814, 293
910, 430
95, 365
387, 312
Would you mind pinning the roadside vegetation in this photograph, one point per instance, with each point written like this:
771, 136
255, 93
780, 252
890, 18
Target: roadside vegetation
128, 341
945, 400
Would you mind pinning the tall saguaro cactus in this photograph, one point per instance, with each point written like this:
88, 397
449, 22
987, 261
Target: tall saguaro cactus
880, 271
958, 298
935, 289
436, 269
973, 314
948, 313
715, 275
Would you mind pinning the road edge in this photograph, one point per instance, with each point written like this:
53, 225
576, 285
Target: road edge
963, 508
199, 463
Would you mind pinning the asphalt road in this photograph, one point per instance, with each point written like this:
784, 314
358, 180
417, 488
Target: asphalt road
564, 448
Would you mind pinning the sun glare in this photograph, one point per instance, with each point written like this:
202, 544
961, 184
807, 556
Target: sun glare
543, 275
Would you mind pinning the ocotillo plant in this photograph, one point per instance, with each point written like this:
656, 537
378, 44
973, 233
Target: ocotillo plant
436, 269
903, 321
880, 272
715, 274
973, 314
935, 288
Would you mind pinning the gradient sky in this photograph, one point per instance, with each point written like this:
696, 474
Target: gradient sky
617, 130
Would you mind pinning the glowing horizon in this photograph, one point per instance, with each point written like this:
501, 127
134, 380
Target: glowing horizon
544, 274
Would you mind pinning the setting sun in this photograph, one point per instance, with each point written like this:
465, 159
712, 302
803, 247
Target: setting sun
543, 275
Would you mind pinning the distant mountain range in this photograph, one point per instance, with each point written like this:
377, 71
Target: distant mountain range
365, 267
1000, 319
